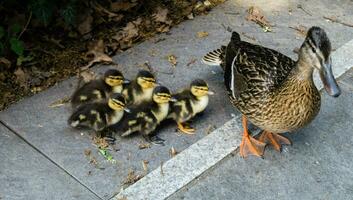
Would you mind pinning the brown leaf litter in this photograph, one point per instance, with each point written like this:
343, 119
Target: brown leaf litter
301, 30
172, 60
257, 16
144, 145
173, 152
60, 102
202, 34
96, 52
100, 142
132, 178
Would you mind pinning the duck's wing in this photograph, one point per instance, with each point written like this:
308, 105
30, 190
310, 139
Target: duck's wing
254, 69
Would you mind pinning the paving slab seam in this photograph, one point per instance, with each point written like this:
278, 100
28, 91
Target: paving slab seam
48, 158
179, 171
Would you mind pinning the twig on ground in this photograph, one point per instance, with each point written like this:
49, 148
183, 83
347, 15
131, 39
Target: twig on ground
25, 28
335, 20
301, 7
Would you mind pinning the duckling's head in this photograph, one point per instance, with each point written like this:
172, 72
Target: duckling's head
146, 79
117, 102
161, 95
315, 52
199, 88
113, 77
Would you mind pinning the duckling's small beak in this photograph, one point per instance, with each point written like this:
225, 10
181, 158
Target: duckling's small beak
127, 110
173, 99
126, 81
210, 92
329, 80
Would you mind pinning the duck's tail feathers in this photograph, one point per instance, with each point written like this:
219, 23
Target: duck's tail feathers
214, 58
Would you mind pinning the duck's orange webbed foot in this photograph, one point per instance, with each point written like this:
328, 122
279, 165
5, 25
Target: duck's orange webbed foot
249, 145
186, 129
274, 139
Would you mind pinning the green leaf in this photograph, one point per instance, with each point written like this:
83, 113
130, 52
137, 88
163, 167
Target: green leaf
68, 14
43, 10
21, 59
15, 28
2, 32
106, 154
17, 46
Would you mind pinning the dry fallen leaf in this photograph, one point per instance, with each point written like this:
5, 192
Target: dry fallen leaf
172, 60
87, 152
121, 6
126, 36
96, 50
145, 165
161, 15
100, 142
21, 78
172, 152
301, 30
144, 145
131, 178
255, 15
60, 102
4, 63
86, 25
202, 34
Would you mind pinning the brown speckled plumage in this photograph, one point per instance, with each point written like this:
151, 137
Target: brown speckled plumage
274, 92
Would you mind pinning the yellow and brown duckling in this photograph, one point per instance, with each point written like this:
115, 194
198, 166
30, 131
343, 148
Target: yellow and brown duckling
274, 92
188, 103
145, 117
95, 90
99, 115
141, 88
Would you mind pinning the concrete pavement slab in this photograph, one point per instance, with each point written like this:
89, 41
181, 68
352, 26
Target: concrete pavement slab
46, 127
316, 166
26, 174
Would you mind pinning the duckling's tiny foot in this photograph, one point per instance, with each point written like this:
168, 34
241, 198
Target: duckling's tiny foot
186, 129
109, 139
274, 139
155, 140
251, 146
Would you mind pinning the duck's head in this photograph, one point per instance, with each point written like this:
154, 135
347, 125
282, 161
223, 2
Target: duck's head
316, 51
146, 79
117, 102
162, 95
200, 88
114, 77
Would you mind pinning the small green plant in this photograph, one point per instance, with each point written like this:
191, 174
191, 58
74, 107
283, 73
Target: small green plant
12, 41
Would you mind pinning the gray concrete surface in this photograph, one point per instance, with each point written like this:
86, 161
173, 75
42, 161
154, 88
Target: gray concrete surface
26, 174
316, 166
46, 128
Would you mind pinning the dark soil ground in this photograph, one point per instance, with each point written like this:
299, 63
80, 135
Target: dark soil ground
101, 30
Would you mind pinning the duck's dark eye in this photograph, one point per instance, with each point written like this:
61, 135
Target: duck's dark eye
313, 49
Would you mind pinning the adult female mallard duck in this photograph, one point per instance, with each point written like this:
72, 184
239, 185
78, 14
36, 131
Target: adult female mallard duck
95, 90
274, 92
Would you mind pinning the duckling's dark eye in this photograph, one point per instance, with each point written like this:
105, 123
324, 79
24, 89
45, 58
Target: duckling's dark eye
313, 49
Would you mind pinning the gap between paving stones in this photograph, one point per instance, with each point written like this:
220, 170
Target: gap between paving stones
49, 159
204, 154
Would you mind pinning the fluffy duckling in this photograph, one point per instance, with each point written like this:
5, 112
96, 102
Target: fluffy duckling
189, 102
99, 115
111, 82
140, 89
145, 117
